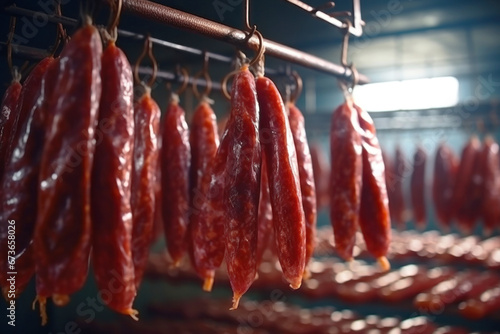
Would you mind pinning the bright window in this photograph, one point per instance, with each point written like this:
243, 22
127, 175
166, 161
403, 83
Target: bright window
426, 93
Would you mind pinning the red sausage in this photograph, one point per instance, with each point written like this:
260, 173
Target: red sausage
400, 168
242, 185
467, 196
306, 175
111, 181
204, 140
283, 172
25, 163
374, 218
144, 179
62, 237
175, 159
345, 178
490, 210
417, 185
445, 171
321, 170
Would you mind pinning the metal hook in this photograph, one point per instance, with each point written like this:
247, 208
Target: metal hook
114, 17
13, 70
226, 93
61, 34
148, 49
298, 87
206, 76
252, 30
343, 54
247, 17
185, 81
180, 71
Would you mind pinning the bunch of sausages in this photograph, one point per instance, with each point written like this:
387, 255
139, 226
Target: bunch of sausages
85, 173
465, 189
257, 182
67, 175
358, 194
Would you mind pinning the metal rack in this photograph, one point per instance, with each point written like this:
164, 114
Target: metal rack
176, 18
172, 17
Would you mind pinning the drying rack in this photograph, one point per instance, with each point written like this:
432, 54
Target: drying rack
165, 15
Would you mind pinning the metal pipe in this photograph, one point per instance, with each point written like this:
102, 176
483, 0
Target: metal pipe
173, 17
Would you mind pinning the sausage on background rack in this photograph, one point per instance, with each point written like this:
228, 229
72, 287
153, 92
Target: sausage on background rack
443, 184
111, 210
391, 179
306, 176
467, 194
242, 184
417, 188
175, 158
490, 162
63, 228
321, 173
145, 172
205, 246
284, 180
20, 180
345, 178
398, 199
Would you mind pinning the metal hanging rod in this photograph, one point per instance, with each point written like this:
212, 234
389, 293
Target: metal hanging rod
71, 22
173, 17
29, 53
355, 29
186, 21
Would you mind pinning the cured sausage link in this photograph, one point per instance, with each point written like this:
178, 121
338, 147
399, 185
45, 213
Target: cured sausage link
242, 185
63, 228
145, 170
283, 173
111, 183
345, 178
374, 218
306, 174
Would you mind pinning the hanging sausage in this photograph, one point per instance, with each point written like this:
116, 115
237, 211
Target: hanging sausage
467, 193
175, 158
145, 188
321, 169
241, 186
111, 210
306, 176
144, 179
443, 183
63, 227
417, 188
284, 180
398, 200
206, 247
345, 178
490, 211
374, 219
20, 178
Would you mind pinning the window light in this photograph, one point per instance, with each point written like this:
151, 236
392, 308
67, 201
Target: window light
426, 93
